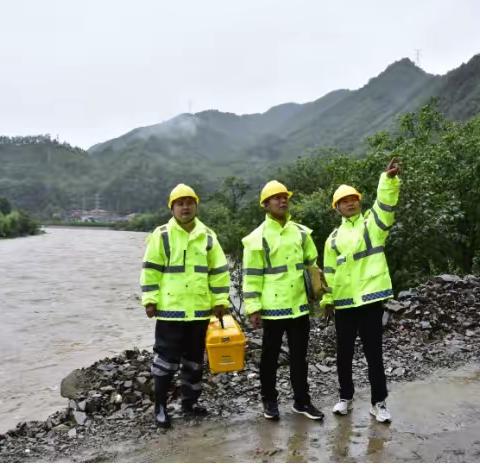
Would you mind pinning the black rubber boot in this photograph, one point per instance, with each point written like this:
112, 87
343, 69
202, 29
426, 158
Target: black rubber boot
162, 419
192, 409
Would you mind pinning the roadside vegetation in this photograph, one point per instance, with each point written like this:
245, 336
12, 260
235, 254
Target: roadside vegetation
15, 223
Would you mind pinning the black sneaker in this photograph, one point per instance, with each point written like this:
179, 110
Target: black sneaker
270, 410
162, 419
194, 410
308, 410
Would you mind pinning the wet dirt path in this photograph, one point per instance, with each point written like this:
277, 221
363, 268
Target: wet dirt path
437, 419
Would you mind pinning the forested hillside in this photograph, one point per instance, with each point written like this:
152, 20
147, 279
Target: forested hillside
41, 175
223, 143
459, 95
135, 172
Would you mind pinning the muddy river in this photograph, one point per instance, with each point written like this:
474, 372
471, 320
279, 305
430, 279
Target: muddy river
67, 298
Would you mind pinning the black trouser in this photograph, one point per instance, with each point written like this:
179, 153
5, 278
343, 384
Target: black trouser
365, 320
298, 330
178, 342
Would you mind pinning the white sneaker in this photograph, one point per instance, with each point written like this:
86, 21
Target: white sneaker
343, 407
381, 412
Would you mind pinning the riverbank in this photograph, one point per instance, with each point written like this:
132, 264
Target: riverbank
429, 328
14, 224
80, 224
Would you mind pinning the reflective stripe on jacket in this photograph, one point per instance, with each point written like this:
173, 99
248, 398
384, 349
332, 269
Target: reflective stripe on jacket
184, 274
355, 266
274, 258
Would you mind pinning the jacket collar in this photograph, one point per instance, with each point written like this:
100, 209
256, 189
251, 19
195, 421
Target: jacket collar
197, 230
353, 219
274, 224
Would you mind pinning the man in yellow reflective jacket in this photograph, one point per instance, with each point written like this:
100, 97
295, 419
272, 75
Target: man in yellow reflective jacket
274, 258
184, 281
356, 271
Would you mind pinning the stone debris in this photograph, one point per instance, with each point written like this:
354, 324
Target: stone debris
433, 326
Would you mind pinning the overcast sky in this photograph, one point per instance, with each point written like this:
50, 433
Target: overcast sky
91, 70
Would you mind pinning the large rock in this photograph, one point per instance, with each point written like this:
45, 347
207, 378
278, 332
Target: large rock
406, 294
394, 306
80, 417
447, 278
74, 384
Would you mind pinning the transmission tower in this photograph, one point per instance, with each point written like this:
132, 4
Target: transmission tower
98, 201
417, 56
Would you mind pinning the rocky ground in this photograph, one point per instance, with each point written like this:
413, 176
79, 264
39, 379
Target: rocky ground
433, 326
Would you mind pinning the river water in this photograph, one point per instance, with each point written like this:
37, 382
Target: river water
67, 298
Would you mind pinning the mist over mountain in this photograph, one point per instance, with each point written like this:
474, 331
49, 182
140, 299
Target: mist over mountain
341, 119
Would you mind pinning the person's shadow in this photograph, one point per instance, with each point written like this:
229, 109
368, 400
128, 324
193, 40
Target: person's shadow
378, 435
341, 439
362, 442
297, 445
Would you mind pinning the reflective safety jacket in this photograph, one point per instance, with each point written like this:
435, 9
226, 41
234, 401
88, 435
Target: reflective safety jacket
354, 261
184, 274
274, 258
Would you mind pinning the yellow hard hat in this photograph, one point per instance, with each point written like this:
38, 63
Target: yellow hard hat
182, 191
273, 188
344, 191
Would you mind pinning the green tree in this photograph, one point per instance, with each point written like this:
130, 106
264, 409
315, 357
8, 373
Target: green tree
5, 207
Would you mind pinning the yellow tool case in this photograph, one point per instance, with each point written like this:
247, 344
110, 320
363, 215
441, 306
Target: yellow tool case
225, 346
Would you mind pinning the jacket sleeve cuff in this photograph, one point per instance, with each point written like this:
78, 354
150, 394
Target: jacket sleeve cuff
223, 301
326, 300
149, 300
252, 308
389, 182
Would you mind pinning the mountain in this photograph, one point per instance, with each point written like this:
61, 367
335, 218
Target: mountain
135, 172
459, 95
223, 144
41, 174
400, 88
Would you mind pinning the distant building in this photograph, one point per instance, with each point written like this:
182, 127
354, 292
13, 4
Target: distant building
96, 215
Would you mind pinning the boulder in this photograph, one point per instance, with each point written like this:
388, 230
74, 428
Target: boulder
447, 278
394, 306
406, 294
74, 384
80, 417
